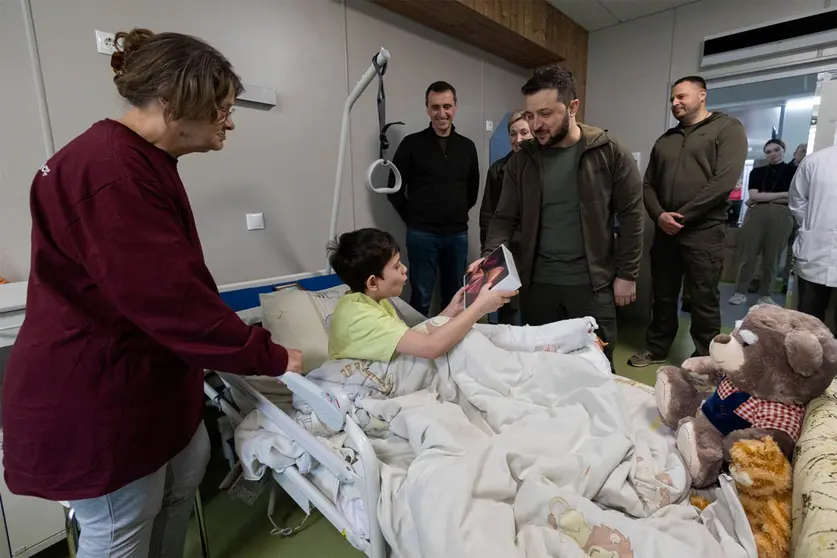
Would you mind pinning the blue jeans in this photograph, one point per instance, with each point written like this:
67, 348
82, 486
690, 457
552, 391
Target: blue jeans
149, 517
429, 253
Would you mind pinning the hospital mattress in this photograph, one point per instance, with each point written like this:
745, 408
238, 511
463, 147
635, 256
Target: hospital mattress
262, 445
265, 449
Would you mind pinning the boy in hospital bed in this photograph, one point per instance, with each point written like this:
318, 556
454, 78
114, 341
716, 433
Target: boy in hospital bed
366, 326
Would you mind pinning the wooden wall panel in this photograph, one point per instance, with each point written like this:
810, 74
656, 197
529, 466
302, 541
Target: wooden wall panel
528, 33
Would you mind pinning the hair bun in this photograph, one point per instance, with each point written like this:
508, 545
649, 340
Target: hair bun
126, 43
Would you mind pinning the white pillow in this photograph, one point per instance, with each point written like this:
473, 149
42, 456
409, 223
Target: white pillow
299, 320
294, 322
326, 301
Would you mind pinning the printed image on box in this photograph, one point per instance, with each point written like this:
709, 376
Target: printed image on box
497, 270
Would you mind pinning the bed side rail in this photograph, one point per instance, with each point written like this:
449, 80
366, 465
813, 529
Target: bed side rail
318, 450
330, 405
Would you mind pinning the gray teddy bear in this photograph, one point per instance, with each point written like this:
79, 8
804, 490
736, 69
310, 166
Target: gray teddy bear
756, 382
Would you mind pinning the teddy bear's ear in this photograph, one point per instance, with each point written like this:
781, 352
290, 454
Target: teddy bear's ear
804, 352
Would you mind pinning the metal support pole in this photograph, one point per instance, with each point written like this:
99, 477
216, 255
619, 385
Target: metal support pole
73, 531
201, 525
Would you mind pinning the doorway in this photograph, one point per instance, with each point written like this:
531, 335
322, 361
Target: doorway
794, 109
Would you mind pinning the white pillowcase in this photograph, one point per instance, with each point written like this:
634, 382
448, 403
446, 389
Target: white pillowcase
298, 320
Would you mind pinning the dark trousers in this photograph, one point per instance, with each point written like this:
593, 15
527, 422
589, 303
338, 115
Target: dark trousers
697, 255
509, 314
814, 299
543, 304
431, 253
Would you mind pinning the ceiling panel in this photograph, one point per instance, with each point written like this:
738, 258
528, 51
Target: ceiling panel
626, 10
588, 13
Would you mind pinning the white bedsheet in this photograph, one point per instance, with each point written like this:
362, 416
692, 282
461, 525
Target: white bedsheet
556, 443
510, 453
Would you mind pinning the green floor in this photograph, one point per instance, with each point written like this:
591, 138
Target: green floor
238, 531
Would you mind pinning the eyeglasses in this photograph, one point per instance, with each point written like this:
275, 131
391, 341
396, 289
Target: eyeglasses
224, 114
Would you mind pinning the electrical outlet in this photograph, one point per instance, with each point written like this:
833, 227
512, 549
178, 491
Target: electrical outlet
105, 42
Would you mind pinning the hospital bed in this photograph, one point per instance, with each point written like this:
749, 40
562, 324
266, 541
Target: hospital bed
815, 498
332, 408
240, 395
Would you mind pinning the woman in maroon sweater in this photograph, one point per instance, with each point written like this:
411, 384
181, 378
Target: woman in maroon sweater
102, 400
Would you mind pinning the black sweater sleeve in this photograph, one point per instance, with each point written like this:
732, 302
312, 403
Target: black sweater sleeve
473, 178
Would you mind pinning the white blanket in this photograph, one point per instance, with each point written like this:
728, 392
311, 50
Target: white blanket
551, 443
504, 452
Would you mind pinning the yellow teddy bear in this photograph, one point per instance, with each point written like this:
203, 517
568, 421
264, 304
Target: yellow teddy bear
762, 476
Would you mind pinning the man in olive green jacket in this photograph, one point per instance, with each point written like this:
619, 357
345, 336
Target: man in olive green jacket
565, 193
691, 172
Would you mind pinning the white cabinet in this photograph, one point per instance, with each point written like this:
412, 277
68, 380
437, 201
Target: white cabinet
29, 524
12, 304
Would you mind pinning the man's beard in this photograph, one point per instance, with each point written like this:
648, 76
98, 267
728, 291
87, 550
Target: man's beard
688, 113
562, 131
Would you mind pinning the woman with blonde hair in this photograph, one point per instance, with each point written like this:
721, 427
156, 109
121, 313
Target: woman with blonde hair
519, 132
103, 394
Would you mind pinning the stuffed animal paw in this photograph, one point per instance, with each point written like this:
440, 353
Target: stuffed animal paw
763, 476
679, 391
701, 446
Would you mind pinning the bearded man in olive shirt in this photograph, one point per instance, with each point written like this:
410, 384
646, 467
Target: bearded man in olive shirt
564, 193
691, 172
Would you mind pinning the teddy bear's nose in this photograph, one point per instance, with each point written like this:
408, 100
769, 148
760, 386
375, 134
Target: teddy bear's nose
722, 339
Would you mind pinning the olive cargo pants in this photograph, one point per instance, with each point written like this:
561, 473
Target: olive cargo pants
697, 254
765, 232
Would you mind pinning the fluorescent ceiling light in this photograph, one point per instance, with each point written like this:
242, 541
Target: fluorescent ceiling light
802, 103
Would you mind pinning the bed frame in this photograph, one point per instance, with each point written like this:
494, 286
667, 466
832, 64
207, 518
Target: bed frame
332, 407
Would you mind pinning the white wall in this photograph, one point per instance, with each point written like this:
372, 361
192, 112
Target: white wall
796, 127
628, 96
631, 66
280, 162
22, 148
827, 117
486, 88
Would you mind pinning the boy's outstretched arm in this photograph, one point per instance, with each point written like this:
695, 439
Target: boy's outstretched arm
444, 338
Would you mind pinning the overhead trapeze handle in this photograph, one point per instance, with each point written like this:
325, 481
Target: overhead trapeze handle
392, 168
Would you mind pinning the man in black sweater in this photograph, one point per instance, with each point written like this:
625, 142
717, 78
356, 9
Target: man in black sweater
440, 184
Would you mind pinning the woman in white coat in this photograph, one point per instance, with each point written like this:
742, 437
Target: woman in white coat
813, 203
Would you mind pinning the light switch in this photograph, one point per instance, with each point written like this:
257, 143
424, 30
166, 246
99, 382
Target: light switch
255, 221
489, 126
